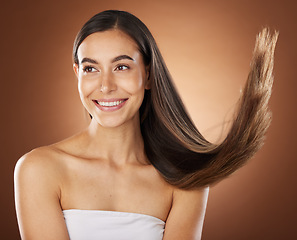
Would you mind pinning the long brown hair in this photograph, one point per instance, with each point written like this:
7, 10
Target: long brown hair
173, 144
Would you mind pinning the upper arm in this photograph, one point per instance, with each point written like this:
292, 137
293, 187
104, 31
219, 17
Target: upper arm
185, 220
37, 198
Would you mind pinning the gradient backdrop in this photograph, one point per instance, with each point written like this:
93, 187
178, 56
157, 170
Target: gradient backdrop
207, 46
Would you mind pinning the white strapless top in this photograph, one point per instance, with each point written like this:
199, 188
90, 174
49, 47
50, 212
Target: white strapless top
111, 225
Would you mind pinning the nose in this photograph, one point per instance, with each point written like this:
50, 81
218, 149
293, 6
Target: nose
107, 83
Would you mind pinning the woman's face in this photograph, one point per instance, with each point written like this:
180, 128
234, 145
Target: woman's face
112, 77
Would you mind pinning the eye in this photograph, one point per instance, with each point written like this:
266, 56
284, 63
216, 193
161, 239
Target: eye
122, 67
89, 69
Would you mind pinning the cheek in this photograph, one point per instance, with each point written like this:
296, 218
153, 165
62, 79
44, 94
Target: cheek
85, 87
134, 84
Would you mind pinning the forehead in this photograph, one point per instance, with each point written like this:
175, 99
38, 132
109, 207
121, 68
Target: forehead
107, 44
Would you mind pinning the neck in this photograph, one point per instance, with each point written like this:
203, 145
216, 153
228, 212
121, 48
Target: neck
120, 145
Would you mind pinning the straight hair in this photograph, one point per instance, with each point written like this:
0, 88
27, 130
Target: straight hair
173, 144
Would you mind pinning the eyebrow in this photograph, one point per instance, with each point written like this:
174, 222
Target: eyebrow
89, 60
118, 58
122, 57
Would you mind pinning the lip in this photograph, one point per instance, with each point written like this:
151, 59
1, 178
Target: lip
110, 108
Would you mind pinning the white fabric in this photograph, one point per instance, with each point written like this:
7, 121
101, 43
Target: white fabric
111, 225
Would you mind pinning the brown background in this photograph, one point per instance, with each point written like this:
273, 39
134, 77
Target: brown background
207, 46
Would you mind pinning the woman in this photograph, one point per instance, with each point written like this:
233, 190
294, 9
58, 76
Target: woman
141, 169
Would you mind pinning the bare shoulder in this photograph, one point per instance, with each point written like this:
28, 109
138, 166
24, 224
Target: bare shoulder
43, 160
41, 168
185, 220
37, 182
46, 159
196, 195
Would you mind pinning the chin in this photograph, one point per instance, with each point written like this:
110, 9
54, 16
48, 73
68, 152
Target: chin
113, 122
109, 123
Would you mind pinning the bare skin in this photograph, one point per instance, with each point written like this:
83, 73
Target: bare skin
104, 167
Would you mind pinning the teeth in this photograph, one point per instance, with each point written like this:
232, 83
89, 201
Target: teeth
110, 104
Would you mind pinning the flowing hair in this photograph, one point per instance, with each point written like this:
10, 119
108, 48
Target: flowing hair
173, 144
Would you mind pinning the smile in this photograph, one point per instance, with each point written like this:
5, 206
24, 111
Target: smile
110, 104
